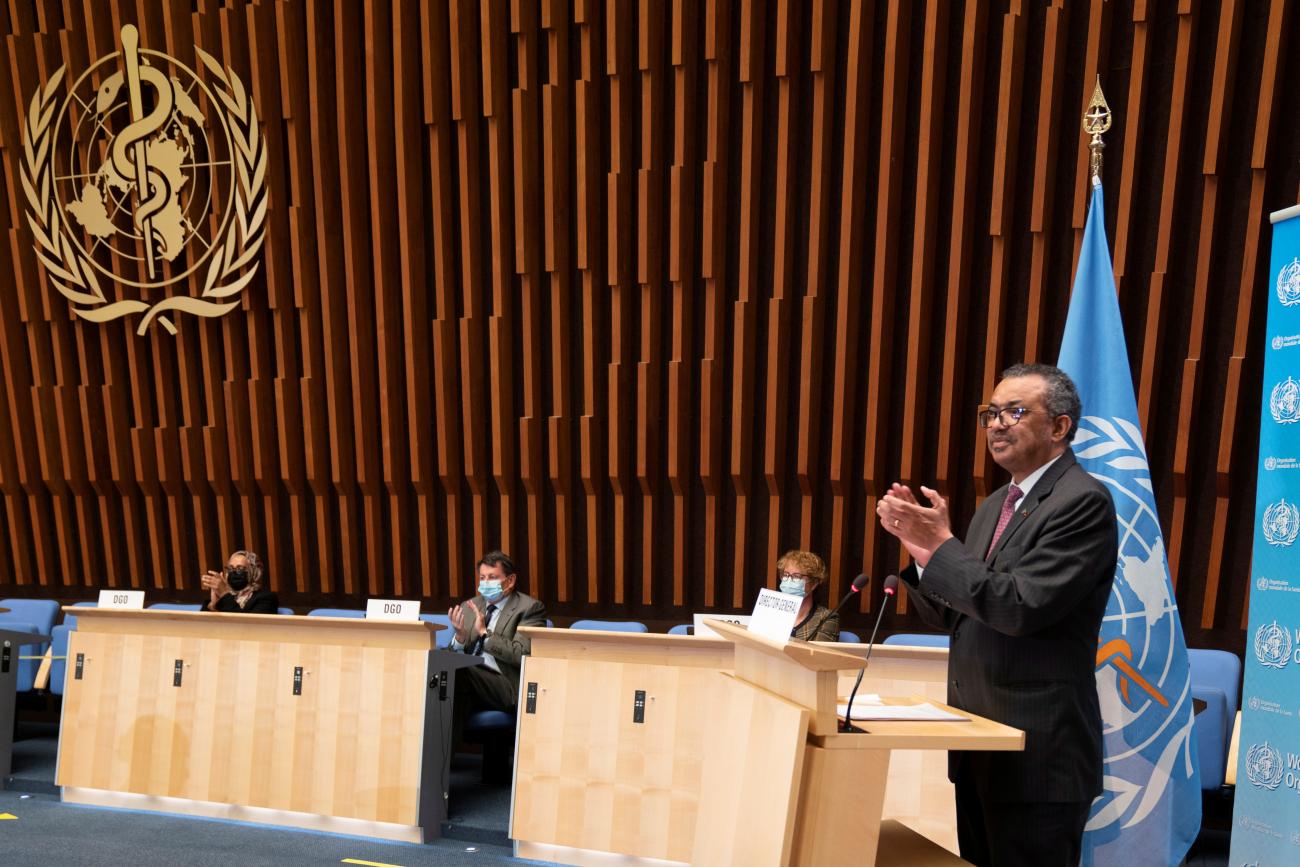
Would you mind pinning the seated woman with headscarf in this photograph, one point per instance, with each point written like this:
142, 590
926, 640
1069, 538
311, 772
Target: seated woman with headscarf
240, 587
800, 574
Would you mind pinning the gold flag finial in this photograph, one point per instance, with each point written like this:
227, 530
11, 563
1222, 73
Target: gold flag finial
1096, 120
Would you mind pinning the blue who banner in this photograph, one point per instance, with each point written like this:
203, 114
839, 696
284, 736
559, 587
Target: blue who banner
1149, 811
1266, 815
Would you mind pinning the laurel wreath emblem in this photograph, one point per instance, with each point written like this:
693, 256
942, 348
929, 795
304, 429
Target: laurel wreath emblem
73, 274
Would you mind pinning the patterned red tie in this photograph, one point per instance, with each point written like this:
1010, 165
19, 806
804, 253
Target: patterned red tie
1004, 517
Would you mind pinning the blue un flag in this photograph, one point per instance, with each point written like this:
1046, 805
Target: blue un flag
1150, 809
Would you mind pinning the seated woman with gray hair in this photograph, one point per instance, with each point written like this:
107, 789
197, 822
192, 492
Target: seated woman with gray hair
240, 587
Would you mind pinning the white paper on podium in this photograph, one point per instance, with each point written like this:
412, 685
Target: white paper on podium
923, 712
774, 615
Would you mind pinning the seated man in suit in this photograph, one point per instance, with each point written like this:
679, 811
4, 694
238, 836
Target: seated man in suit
1023, 598
486, 626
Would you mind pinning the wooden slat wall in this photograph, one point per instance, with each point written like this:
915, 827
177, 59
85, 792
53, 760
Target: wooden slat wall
646, 292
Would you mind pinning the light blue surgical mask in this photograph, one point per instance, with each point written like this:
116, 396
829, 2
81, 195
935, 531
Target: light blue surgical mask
490, 589
794, 586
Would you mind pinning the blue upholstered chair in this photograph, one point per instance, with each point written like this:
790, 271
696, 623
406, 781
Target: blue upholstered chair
70, 620
1216, 680
847, 637
286, 611
610, 625
682, 629
176, 606
33, 616
359, 613
918, 639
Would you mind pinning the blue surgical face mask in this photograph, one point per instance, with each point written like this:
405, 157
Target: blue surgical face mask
794, 586
490, 588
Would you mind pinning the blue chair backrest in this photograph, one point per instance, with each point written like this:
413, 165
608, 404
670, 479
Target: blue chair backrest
1216, 680
918, 639
33, 616
847, 637
443, 636
59, 652
682, 629
288, 611
610, 625
359, 613
70, 620
176, 606
41, 613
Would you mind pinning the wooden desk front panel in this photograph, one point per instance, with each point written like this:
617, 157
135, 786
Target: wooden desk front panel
918, 792
587, 776
233, 732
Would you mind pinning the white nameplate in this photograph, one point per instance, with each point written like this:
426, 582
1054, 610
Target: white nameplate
701, 628
392, 609
121, 599
774, 615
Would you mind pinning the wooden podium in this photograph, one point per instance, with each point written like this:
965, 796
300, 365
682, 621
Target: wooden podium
708, 751
326, 723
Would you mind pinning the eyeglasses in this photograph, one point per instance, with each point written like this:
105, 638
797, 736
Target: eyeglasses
795, 576
1008, 416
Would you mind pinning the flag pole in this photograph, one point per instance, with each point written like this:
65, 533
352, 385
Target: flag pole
1096, 120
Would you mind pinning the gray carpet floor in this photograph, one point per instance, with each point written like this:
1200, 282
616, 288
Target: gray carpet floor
49, 832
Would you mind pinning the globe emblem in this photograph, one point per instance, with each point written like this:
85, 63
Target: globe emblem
1284, 402
1264, 766
149, 179
1262, 583
1272, 645
1270, 463
1254, 703
1277, 342
1281, 523
142, 176
1288, 284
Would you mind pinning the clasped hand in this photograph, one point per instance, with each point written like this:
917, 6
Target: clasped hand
921, 529
215, 582
457, 615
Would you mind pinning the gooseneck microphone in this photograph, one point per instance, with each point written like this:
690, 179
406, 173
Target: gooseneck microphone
858, 583
890, 588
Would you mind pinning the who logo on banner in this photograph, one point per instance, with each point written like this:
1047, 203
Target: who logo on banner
1149, 811
1272, 645
1288, 284
1284, 402
1281, 523
1264, 766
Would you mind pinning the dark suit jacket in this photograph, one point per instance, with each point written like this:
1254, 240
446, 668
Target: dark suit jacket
503, 642
261, 602
1024, 628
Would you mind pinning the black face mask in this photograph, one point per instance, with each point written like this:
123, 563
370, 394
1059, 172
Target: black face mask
237, 579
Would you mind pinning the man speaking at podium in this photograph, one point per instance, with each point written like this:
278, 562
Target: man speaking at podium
1023, 598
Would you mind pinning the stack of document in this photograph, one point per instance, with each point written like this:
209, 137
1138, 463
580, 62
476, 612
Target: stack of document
869, 707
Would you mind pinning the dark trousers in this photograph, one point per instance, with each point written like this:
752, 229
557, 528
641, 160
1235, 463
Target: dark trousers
998, 834
480, 688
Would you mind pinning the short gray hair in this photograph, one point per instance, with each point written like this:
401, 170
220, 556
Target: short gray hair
1060, 396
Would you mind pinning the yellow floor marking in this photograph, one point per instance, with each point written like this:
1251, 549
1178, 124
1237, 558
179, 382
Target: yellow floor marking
368, 863
7, 816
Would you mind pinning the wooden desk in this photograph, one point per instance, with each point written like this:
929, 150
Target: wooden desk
591, 781
196, 712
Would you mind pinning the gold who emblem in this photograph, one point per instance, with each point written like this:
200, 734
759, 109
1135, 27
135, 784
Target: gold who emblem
146, 194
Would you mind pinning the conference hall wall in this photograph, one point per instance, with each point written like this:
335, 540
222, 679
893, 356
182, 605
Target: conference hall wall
644, 293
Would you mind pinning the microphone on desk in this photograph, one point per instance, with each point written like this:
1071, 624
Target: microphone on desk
858, 583
890, 588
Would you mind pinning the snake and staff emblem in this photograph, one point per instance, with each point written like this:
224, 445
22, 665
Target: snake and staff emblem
149, 179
